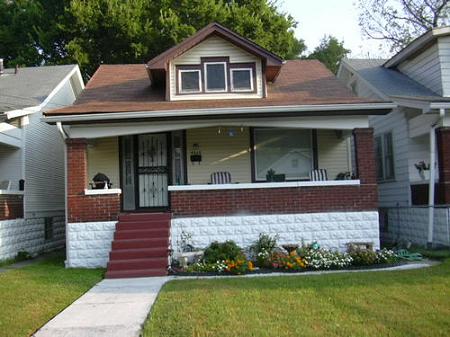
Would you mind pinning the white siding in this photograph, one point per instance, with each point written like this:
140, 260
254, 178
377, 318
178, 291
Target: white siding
44, 161
425, 69
396, 192
215, 47
219, 153
333, 153
103, 156
444, 55
11, 165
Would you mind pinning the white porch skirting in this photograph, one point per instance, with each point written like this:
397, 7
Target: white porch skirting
29, 235
89, 244
331, 230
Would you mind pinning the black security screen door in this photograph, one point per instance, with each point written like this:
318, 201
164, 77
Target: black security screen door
152, 171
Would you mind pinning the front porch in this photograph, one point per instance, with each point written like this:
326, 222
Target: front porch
334, 211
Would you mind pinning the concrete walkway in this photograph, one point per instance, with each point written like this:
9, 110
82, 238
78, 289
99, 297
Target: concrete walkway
112, 308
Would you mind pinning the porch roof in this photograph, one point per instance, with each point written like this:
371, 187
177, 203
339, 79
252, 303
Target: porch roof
125, 88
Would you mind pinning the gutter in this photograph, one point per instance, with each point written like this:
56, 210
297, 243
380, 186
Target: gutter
109, 116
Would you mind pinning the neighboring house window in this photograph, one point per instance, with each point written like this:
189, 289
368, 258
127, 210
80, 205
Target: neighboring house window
286, 151
242, 79
216, 76
385, 157
189, 81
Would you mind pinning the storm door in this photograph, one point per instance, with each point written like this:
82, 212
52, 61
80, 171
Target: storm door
152, 171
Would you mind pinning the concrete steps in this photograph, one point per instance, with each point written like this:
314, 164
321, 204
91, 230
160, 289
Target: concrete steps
141, 246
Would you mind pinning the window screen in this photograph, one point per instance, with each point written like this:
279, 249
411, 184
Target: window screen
215, 77
190, 81
241, 79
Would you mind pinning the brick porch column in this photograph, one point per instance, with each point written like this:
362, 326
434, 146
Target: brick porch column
76, 173
365, 155
443, 157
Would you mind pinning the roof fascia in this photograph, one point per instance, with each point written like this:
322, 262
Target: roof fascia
416, 46
376, 108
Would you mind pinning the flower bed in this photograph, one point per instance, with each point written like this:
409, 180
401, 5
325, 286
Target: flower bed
264, 256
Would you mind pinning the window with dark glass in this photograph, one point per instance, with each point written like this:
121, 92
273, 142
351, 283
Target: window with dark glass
216, 77
241, 79
385, 157
285, 151
189, 81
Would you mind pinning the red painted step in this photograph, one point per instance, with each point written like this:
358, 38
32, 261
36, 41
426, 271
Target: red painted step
140, 253
141, 246
148, 263
140, 243
143, 224
143, 216
141, 233
135, 273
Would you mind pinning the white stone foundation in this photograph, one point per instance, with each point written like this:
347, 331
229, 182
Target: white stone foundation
411, 224
330, 230
29, 235
89, 244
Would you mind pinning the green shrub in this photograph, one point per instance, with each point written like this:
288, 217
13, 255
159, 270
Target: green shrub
363, 257
262, 249
23, 255
227, 250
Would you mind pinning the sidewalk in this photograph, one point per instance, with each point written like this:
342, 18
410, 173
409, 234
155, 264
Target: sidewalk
112, 308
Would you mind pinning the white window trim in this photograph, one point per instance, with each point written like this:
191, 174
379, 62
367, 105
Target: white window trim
251, 79
180, 90
205, 66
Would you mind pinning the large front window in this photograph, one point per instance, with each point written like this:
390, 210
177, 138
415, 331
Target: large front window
287, 152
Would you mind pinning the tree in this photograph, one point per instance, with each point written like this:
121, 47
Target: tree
330, 52
398, 22
92, 32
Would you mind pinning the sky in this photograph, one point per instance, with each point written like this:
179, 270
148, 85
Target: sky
339, 18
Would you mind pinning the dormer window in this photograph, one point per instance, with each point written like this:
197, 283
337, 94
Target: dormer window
242, 79
216, 76
189, 81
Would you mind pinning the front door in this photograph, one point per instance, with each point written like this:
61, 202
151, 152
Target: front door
152, 171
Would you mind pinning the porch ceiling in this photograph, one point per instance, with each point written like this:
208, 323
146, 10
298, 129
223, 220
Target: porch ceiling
132, 128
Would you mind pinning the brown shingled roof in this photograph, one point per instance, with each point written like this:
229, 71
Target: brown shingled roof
126, 88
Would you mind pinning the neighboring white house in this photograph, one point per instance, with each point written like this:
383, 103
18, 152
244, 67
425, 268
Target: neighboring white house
32, 157
412, 136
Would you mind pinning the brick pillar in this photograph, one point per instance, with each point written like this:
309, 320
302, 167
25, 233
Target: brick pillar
443, 157
76, 174
365, 155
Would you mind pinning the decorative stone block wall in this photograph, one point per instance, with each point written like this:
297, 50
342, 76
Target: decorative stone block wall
29, 235
443, 149
89, 244
83, 207
332, 230
411, 224
11, 206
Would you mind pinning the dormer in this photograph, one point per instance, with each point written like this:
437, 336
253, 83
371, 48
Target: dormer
214, 63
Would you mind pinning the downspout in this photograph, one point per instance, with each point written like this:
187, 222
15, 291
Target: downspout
431, 185
64, 136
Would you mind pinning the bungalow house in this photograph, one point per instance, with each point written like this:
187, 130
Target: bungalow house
32, 157
188, 145
413, 141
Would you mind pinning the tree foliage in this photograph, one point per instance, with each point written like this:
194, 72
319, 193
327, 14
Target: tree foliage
398, 22
330, 52
91, 32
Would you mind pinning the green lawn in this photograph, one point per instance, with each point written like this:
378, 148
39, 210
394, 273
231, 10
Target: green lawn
402, 303
31, 296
